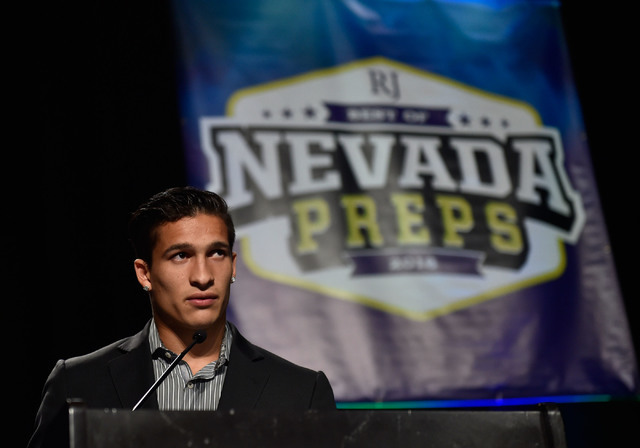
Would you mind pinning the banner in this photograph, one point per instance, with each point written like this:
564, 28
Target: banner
413, 194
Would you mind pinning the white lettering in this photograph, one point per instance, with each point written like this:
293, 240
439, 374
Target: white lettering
306, 165
537, 153
413, 168
467, 149
243, 162
240, 159
374, 176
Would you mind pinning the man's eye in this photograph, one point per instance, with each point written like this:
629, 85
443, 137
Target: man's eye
180, 256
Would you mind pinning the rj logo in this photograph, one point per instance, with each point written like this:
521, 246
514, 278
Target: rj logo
384, 83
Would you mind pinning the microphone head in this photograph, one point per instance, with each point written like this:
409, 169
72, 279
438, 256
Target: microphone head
199, 336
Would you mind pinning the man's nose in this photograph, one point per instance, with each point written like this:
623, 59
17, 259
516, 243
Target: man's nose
201, 273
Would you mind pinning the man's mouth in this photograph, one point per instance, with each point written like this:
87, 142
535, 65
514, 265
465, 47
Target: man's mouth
202, 300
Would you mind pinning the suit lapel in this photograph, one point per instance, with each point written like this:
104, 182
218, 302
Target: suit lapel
132, 372
245, 378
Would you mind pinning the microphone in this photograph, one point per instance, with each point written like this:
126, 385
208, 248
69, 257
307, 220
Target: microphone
198, 337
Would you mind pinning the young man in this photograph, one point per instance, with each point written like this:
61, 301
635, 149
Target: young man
183, 239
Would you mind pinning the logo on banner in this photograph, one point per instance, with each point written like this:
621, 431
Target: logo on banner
389, 186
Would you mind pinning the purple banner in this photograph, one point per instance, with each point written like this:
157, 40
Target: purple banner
416, 210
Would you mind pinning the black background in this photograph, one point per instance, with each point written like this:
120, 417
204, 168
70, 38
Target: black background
102, 133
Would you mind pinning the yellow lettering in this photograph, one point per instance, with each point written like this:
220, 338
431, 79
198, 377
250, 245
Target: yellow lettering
313, 218
456, 218
409, 209
505, 234
361, 215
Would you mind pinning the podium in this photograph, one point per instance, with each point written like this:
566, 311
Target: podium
539, 426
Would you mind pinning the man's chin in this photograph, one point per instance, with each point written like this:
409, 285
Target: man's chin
207, 323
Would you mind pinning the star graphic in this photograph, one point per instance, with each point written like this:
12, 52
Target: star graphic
309, 112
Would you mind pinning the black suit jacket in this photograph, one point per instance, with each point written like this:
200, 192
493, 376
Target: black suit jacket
118, 375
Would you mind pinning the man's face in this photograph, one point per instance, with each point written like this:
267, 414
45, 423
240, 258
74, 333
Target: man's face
190, 274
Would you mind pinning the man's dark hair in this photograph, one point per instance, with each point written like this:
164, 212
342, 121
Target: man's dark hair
170, 206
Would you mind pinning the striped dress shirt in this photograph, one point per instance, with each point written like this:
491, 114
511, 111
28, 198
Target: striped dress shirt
182, 390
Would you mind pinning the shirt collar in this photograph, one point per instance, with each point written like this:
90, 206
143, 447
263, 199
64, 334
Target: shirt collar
158, 350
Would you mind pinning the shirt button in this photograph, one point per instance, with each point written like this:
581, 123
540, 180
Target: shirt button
190, 385
167, 355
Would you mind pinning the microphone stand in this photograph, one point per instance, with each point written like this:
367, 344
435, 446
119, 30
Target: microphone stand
198, 337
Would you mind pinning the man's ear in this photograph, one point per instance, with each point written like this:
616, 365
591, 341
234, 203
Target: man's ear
142, 272
234, 256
